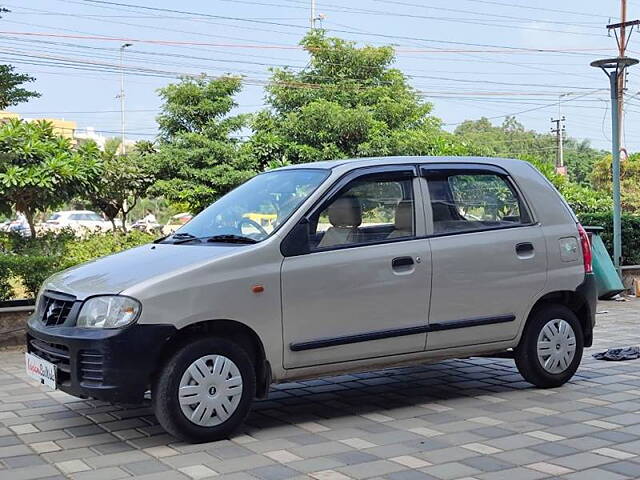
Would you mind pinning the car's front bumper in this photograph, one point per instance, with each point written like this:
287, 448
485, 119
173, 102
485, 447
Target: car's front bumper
113, 365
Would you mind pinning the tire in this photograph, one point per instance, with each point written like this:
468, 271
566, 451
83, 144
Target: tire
551, 364
213, 405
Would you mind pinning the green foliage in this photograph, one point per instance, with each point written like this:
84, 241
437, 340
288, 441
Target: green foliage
103, 244
630, 233
39, 169
585, 200
348, 102
11, 91
602, 178
33, 260
124, 179
198, 157
511, 139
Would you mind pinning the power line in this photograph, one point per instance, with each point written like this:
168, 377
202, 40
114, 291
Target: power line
241, 19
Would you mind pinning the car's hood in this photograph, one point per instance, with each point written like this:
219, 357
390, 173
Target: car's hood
115, 273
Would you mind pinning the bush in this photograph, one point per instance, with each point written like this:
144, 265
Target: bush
103, 244
630, 233
32, 261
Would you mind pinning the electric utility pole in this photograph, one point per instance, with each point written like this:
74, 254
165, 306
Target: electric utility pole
121, 96
314, 16
559, 131
622, 49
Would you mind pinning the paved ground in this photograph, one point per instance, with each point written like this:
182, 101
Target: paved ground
458, 419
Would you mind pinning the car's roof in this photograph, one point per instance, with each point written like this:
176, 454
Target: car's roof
373, 161
69, 212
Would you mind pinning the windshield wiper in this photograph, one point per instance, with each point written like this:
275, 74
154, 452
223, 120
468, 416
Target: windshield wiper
231, 239
184, 237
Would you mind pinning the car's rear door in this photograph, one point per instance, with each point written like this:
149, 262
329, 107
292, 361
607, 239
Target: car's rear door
489, 255
363, 290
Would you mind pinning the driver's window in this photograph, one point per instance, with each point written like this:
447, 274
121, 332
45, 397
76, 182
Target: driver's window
368, 210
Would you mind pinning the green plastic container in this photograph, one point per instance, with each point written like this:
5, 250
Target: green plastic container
607, 278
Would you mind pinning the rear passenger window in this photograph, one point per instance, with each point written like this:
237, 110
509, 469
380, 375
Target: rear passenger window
367, 210
474, 201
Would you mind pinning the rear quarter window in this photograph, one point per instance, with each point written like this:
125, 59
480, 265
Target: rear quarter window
474, 201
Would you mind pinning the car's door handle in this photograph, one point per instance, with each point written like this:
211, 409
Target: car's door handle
401, 262
524, 249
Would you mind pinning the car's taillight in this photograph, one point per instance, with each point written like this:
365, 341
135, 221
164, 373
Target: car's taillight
586, 249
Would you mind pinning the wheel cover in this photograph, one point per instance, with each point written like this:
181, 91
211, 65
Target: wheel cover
556, 346
210, 390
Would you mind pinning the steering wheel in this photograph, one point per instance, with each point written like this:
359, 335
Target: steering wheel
254, 224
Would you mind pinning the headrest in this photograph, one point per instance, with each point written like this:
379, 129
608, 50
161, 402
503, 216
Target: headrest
404, 216
345, 212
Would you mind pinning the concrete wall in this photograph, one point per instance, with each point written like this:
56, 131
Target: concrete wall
12, 325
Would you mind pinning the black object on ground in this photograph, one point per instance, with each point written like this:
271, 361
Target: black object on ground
619, 354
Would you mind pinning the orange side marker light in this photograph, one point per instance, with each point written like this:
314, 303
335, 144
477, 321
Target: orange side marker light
257, 289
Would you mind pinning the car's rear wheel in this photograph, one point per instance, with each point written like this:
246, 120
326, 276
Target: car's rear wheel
205, 390
551, 346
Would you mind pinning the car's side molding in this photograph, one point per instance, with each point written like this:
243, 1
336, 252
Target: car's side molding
399, 332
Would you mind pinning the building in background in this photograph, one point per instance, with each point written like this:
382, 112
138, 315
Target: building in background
69, 129
62, 127
89, 134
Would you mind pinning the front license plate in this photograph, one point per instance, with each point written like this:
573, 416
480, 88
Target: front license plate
41, 370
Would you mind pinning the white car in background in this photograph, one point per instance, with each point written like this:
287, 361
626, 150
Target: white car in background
78, 221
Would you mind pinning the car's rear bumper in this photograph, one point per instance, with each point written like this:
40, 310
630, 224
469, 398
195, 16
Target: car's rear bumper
113, 365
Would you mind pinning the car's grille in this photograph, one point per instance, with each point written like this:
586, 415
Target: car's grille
54, 308
90, 366
52, 352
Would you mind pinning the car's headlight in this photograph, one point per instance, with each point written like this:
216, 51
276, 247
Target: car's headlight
108, 311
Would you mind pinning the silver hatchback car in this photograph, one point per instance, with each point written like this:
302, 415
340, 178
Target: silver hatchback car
321, 268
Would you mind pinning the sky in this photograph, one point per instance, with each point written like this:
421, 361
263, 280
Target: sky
470, 58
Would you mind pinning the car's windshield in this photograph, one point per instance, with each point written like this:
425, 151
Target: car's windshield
256, 208
94, 217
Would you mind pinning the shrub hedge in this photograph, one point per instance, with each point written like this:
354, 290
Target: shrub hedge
630, 233
31, 261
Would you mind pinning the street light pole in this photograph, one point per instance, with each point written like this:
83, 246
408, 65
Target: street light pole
122, 138
614, 68
614, 80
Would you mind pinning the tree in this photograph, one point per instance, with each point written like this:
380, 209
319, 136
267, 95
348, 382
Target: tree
124, 179
348, 102
11, 92
198, 155
40, 170
602, 178
512, 139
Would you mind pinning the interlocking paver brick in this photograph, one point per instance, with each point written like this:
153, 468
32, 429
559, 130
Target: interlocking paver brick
198, 471
30, 473
109, 473
274, 472
23, 461
72, 466
595, 474
371, 469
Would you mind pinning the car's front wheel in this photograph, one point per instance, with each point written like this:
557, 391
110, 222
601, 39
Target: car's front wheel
205, 390
550, 349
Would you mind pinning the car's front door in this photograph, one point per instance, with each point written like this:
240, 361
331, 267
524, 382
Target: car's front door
489, 256
363, 289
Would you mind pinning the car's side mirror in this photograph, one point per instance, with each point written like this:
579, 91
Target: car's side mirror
297, 241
